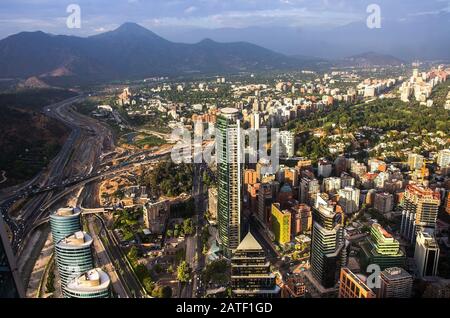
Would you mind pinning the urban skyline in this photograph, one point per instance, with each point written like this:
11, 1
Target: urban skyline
137, 166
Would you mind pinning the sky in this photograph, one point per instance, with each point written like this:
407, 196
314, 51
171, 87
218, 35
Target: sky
167, 15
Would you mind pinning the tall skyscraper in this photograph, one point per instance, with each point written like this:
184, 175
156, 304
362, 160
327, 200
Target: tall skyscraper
229, 167
65, 221
353, 286
74, 256
10, 283
327, 245
94, 283
250, 271
420, 210
395, 283
426, 255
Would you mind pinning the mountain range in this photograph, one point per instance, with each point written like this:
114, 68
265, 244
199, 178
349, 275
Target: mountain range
134, 52
131, 51
411, 37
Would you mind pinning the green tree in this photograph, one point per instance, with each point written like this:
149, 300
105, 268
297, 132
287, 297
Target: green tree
188, 227
183, 272
133, 255
149, 285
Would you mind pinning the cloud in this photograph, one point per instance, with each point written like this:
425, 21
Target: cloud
190, 10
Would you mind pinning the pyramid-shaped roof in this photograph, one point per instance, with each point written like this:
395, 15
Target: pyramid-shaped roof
249, 243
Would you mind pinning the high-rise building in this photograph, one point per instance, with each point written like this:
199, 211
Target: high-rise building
395, 282
74, 256
324, 168
382, 248
287, 144
265, 199
229, 168
383, 202
420, 210
250, 271
443, 158
415, 161
10, 283
426, 255
281, 224
353, 286
308, 189
301, 218
349, 199
94, 283
331, 185
65, 221
155, 215
327, 245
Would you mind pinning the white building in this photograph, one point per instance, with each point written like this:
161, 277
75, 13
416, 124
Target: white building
287, 143
349, 199
426, 255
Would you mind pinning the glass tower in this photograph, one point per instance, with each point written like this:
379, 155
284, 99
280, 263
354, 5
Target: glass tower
229, 167
94, 283
74, 256
327, 245
64, 222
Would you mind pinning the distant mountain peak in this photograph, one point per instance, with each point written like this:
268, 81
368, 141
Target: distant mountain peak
131, 27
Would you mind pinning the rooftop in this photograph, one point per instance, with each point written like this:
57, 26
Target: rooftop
67, 211
76, 239
249, 243
95, 278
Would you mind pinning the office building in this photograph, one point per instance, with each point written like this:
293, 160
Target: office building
426, 255
73, 256
281, 224
94, 283
382, 248
10, 281
265, 199
327, 245
353, 286
229, 168
250, 271
65, 221
420, 210
395, 282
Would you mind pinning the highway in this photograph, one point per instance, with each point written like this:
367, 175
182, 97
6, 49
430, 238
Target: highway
86, 142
